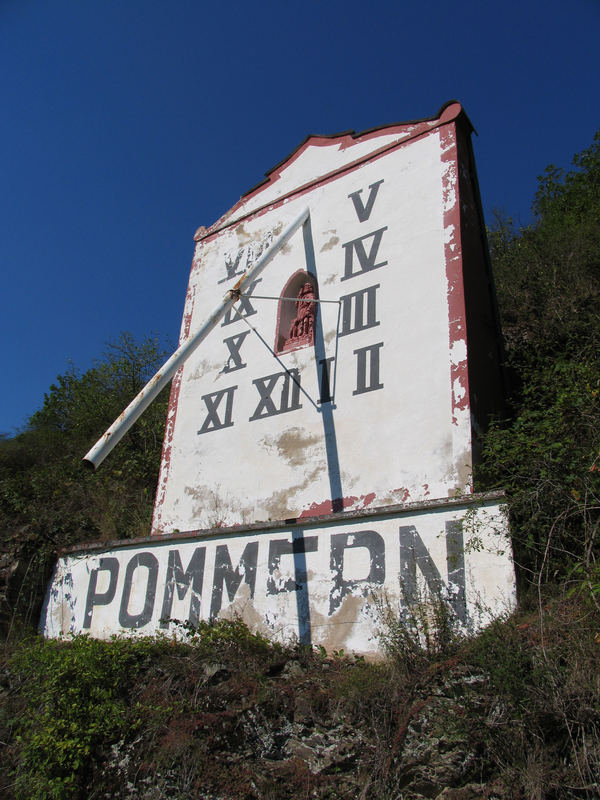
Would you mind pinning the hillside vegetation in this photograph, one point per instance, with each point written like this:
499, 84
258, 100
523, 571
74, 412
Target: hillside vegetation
227, 715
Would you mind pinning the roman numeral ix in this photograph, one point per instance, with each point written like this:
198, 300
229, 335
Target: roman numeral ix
244, 307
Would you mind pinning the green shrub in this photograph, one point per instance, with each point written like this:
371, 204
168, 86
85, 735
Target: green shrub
76, 699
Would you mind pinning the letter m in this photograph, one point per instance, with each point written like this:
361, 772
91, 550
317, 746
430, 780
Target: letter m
225, 575
180, 580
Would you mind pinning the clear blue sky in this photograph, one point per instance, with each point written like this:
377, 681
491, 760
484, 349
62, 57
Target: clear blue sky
127, 124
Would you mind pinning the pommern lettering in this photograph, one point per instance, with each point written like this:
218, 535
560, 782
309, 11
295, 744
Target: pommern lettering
188, 582
285, 568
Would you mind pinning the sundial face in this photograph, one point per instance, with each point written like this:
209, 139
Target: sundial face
370, 407
291, 411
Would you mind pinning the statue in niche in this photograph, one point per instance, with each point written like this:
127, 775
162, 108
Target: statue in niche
302, 329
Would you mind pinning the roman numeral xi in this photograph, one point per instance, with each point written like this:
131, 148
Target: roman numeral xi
219, 408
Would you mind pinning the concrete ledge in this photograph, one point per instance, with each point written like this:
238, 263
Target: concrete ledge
480, 498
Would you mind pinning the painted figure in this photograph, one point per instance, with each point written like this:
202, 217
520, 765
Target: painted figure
303, 325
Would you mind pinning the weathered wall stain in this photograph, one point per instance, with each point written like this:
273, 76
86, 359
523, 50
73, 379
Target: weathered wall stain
294, 445
331, 242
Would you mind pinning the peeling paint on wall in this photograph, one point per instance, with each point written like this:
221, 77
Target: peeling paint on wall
322, 583
370, 405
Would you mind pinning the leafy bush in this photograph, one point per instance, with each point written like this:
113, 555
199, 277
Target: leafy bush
425, 629
48, 500
548, 453
76, 699
225, 634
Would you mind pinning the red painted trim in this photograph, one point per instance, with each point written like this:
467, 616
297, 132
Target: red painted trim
165, 460
498, 497
451, 112
447, 112
328, 507
457, 318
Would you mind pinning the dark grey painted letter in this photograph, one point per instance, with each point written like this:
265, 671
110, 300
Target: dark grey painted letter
283, 547
289, 398
366, 260
364, 212
413, 554
370, 382
176, 577
354, 307
212, 402
455, 558
127, 620
340, 542
104, 598
225, 574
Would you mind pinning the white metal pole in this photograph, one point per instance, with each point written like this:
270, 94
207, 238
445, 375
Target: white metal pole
139, 404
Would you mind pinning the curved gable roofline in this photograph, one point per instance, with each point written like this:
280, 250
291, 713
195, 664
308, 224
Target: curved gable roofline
404, 131
352, 135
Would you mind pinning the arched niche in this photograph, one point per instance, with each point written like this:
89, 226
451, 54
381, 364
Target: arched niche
287, 313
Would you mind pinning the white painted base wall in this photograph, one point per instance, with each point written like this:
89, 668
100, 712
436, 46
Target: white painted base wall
322, 582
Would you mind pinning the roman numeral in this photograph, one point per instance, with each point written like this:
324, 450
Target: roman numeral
358, 310
289, 399
325, 380
244, 307
234, 344
231, 267
366, 261
213, 401
364, 212
367, 355
245, 258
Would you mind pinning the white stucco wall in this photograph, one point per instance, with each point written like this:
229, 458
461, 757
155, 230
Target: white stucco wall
405, 440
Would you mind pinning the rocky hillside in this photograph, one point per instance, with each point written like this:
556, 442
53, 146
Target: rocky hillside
514, 713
